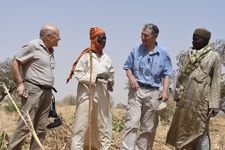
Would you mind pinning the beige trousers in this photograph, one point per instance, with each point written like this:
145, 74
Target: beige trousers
38, 105
141, 119
101, 127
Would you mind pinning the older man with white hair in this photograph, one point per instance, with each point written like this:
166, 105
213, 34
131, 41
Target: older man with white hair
33, 72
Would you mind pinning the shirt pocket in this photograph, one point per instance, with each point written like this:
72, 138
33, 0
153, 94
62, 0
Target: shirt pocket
157, 70
137, 64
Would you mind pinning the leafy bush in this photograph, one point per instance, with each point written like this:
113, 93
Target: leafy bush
69, 100
9, 107
4, 140
6, 77
118, 123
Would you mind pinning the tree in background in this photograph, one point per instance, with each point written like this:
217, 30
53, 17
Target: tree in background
6, 78
219, 46
69, 100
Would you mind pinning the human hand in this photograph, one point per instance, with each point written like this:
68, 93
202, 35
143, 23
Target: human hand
134, 84
110, 85
164, 96
21, 91
103, 75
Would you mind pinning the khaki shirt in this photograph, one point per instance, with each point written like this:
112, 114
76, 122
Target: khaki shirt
37, 63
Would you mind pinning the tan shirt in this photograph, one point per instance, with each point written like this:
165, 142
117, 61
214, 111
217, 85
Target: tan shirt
37, 63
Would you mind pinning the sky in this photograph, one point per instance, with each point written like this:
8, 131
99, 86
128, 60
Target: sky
122, 21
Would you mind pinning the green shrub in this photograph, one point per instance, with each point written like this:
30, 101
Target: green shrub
9, 107
4, 140
118, 122
69, 100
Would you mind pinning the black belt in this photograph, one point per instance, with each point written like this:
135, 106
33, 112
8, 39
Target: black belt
147, 86
43, 86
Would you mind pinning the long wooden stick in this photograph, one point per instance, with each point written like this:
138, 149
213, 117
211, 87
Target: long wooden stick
90, 100
31, 128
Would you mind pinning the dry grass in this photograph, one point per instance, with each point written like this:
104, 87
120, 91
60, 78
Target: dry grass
60, 137
7, 125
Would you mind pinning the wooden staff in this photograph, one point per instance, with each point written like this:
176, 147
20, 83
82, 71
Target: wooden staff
90, 99
30, 127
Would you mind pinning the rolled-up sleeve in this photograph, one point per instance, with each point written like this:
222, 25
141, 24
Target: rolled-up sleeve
129, 62
168, 69
26, 53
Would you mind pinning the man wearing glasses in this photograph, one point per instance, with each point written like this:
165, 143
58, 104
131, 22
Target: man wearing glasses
33, 72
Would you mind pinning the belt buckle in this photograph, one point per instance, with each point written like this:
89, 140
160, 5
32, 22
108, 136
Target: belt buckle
144, 85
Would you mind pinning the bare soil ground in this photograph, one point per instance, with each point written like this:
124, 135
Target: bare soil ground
60, 137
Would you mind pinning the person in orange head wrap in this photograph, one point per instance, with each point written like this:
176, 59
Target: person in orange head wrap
98, 40
93, 67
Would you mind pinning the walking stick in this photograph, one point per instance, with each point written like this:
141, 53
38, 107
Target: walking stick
90, 100
30, 127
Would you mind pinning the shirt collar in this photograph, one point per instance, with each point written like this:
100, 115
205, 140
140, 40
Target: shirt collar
155, 51
42, 44
95, 56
